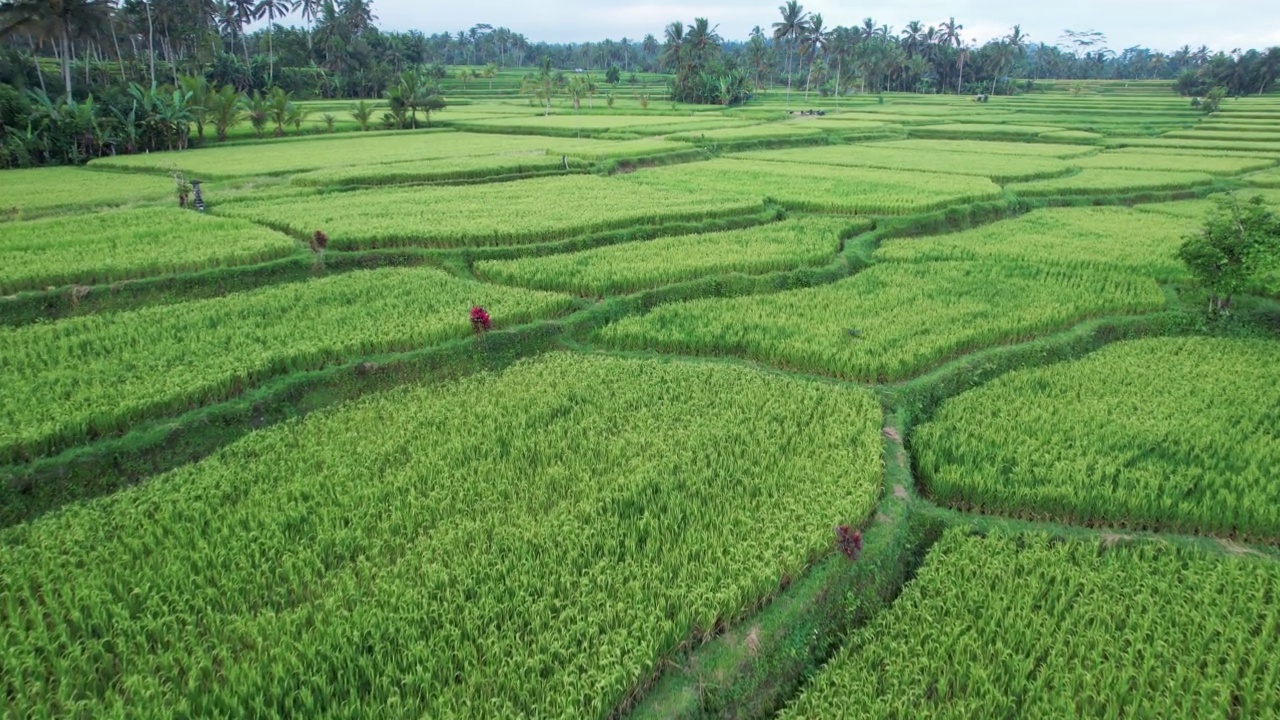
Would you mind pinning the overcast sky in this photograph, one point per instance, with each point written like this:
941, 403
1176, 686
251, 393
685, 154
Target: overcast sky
1159, 24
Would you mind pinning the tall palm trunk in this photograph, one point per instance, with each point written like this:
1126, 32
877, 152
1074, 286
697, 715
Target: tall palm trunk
960, 80
151, 44
65, 39
790, 52
271, 55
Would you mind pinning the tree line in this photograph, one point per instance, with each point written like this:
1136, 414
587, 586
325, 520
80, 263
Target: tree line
86, 77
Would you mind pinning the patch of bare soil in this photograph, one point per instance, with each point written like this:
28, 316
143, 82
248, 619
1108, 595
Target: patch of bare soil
892, 433
1236, 548
1110, 539
752, 641
900, 492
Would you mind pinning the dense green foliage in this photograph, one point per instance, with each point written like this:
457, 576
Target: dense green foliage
1031, 627
532, 211
1236, 247
532, 543
1182, 434
1095, 238
819, 188
890, 321
125, 244
636, 266
95, 375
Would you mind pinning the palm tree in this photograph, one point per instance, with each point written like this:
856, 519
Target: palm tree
912, 37
951, 33
246, 13
791, 27
55, 20
814, 42
673, 47
272, 9
224, 110
840, 47
310, 11
960, 61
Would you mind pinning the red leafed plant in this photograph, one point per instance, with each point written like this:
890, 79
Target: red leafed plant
480, 321
849, 541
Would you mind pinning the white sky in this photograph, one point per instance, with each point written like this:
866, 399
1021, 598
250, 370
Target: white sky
1159, 24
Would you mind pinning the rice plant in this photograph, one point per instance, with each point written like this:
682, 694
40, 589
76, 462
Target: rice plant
125, 244
636, 266
890, 321
535, 543
1180, 434
531, 211
79, 378
1031, 627
819, 188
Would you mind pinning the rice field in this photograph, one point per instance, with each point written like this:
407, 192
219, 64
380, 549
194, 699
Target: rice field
92, 376
1094, 238
1190, 442
999, 168
534, 211
632, 267
127, 244
646, 412
260, 581
889, 322
1031, 626
819, 188
40, 191
1107, 181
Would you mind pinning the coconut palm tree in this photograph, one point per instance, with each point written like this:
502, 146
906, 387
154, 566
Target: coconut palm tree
246, 12
673, 47
951, 33
814, 42
55, 20
792, 26
272, 9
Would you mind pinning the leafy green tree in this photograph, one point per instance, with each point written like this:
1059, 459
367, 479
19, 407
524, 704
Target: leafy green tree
362, 113
1240, 241
224, 110
57, 21
613, 75
542, 84
257, 110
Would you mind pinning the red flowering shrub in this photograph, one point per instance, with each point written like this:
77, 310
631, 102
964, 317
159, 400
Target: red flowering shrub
480, 321
849, 541
319, 241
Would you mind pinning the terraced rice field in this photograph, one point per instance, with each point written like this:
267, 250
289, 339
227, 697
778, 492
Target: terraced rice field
910, 410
